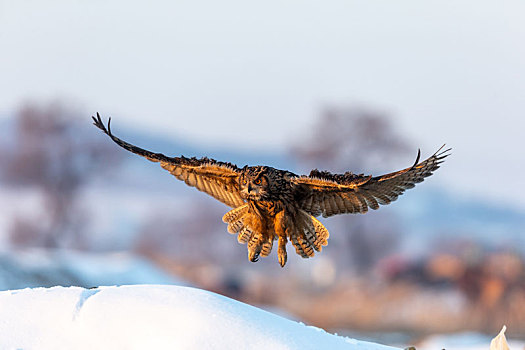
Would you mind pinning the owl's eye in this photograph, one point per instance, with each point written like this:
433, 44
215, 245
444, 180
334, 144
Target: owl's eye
258, 181
244, 181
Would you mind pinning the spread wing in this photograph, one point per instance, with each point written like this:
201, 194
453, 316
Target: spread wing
323, 193
218, 179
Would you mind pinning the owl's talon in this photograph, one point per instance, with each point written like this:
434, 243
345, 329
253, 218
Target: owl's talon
253, 256
283, 256
282, 259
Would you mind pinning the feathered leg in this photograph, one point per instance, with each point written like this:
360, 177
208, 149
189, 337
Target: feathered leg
282, 230
281, 251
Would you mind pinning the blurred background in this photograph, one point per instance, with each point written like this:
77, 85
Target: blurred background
337, 85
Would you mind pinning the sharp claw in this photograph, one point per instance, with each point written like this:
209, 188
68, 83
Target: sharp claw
282, 261
253, 257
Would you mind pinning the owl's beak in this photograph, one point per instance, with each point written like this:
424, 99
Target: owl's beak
250, 190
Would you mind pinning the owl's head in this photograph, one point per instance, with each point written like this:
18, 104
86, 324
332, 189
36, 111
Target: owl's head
254, 183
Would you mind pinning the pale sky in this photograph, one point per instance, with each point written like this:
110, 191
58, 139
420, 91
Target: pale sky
254, 74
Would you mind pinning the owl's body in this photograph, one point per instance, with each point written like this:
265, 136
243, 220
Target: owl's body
276, 205
270, 213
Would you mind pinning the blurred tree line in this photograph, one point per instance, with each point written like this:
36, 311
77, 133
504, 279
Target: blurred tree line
52, 153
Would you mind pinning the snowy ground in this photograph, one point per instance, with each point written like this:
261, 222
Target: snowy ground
150, 317
467, 341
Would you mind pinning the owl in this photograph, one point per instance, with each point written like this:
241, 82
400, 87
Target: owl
277, 205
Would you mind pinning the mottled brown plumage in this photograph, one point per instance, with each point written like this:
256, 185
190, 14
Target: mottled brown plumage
271, 204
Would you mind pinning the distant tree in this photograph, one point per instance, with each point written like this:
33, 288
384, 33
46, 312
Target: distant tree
361, 141
350, 138
53, 153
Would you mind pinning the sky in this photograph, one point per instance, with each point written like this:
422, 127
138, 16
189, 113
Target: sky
256, 74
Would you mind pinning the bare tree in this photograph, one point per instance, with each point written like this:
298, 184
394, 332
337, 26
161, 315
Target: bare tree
53, 153
350, 138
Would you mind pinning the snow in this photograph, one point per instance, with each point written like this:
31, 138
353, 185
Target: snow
150, 316
467, 341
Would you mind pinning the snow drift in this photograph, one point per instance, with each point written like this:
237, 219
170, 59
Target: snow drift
148, 317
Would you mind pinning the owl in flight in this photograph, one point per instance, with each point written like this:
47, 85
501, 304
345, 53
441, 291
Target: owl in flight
271, 204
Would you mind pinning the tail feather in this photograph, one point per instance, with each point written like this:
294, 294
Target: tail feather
307, 248
310, 235
298, 246
267, 247
304, 231
308, 227
234, 218
245, 235
253, 242
321, 233
235, 226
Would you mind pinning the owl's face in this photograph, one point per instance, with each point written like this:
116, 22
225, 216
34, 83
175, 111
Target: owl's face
254, 184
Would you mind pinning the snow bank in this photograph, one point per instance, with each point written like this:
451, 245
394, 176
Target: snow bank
150, 317
470, 341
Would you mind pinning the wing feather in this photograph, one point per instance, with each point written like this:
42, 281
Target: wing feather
218, 179
323, 193
340, 203
370, 200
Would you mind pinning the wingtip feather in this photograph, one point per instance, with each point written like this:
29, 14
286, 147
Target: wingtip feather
417, 158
